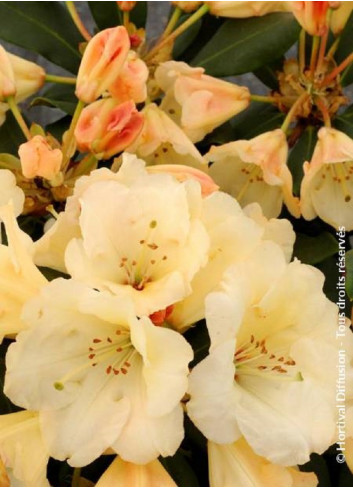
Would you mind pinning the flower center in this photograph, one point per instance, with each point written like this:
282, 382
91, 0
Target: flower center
253, 358
252, 174
338, 173
114, 352
140, 269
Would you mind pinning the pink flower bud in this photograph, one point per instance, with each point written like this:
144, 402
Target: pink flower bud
182, 173
102, 62
38, 159
106, 128
7, 77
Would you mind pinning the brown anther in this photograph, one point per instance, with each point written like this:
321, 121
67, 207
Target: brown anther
252, 339
109, 340
153, 246
127, 364
262, 367
119, 349
97, 340
142, 241
153, 262
116, 371
123, 371
108, 369
91, 356
281, 359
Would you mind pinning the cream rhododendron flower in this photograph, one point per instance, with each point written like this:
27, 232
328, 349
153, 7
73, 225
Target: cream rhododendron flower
186, 88
163, 142
102, 63
278, 230
22, 449
148, 239
126, 474
131, 83
38, 159
327, 186
237, 465
235, 236
245, 9
271, 371
10, 192
87, 352
20, 278
256, 171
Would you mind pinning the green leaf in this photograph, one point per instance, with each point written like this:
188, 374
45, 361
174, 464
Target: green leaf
43, 27
186, 38
51, 274
349, 274
209, 26
10, 135
107, 14
59, 96
301, 152
267, 73
258, 118
344, 122
315, 249
243, 45
344, 49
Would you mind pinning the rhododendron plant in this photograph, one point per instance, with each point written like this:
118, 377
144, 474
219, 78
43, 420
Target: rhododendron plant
176, 247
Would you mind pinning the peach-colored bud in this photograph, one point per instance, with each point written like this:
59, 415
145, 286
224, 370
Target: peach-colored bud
187, 88
106, 127
245, 9
126, 6
38, 159
102, 62
312, 16
7, 76
187, 6
182, 173
29, 77
340, 16
131, 83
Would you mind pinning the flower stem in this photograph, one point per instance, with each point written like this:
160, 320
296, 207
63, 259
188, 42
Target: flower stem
126, 18
314, 53
69, 136
334, 47
324, 111
77, 20
185, 25
76, 477
67, 80
302, 51
18, 116
263, 98
172, 22
338, 70
322, 50
293, 109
